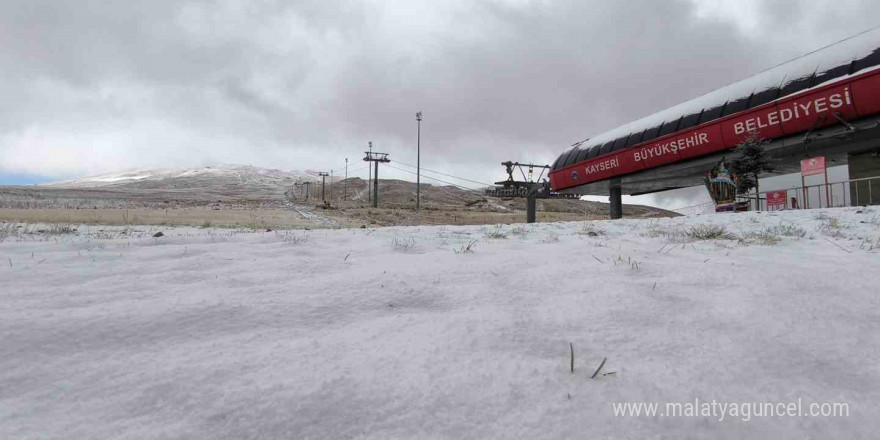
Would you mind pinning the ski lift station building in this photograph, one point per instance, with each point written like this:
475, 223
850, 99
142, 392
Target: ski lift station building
825, 103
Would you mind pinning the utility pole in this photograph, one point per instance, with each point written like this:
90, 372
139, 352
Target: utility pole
418, 160
345, 182
331, 187
376, 158
323, 176
369, 173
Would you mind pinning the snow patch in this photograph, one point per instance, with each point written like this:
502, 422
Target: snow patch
208, 333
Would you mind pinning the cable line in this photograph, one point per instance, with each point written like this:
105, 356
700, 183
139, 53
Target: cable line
447, 175
439, 180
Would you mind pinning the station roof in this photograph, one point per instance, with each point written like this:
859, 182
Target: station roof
852, 56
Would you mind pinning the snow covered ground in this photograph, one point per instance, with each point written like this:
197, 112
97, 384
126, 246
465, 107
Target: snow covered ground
407, 333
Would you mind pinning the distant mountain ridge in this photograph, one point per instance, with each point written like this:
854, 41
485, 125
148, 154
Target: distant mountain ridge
245, 186
199, 177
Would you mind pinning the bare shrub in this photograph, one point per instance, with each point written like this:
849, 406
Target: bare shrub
6, 231
60, 229
129, 219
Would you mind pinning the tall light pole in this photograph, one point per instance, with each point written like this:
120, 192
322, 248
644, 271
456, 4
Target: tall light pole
369, 174
323, 175
418, 159
345, 185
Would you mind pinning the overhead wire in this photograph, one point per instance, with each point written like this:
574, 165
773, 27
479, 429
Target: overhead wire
444, 174
435, 179
352, 171
464, 188
446, 188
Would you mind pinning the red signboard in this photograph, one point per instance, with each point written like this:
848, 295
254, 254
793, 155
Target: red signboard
776, 198
852, 98
813, 165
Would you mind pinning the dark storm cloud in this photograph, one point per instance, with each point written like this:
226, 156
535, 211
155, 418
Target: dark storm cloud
97, 85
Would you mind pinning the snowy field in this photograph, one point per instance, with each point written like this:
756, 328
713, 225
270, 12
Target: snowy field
442, 332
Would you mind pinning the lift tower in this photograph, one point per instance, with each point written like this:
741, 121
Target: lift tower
375, 157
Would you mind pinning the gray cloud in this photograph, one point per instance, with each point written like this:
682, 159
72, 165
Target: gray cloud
100, 85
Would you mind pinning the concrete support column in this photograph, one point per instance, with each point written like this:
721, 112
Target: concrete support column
615, 200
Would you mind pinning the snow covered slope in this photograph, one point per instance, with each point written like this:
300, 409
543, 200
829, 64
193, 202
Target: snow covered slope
183, 177
405, 333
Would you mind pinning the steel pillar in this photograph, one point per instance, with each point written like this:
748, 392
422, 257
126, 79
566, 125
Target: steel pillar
615, 201
376, 185
532, 205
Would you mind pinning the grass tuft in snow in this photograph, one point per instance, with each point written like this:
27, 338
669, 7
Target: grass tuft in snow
788, 231
403, 243
520, 231
550, 238
31, 232
765, 237
467, 248
589, 228
832, 226
870, 244
291, 237
708, 232
497, 233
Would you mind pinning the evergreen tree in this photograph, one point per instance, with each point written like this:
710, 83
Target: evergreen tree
752, 161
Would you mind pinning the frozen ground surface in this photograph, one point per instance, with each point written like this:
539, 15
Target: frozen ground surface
397, 333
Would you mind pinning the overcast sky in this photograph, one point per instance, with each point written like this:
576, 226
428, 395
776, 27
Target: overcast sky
96, 86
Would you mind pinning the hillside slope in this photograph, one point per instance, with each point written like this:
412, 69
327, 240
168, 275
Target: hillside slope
247, 187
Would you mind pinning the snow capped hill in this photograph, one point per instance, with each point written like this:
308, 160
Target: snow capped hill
192, 177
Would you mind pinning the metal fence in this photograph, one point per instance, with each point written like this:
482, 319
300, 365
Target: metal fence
855, 192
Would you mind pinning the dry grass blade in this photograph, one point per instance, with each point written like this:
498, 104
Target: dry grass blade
839, 246
599, 369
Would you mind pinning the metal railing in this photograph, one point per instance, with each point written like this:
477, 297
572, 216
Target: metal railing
854, 192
